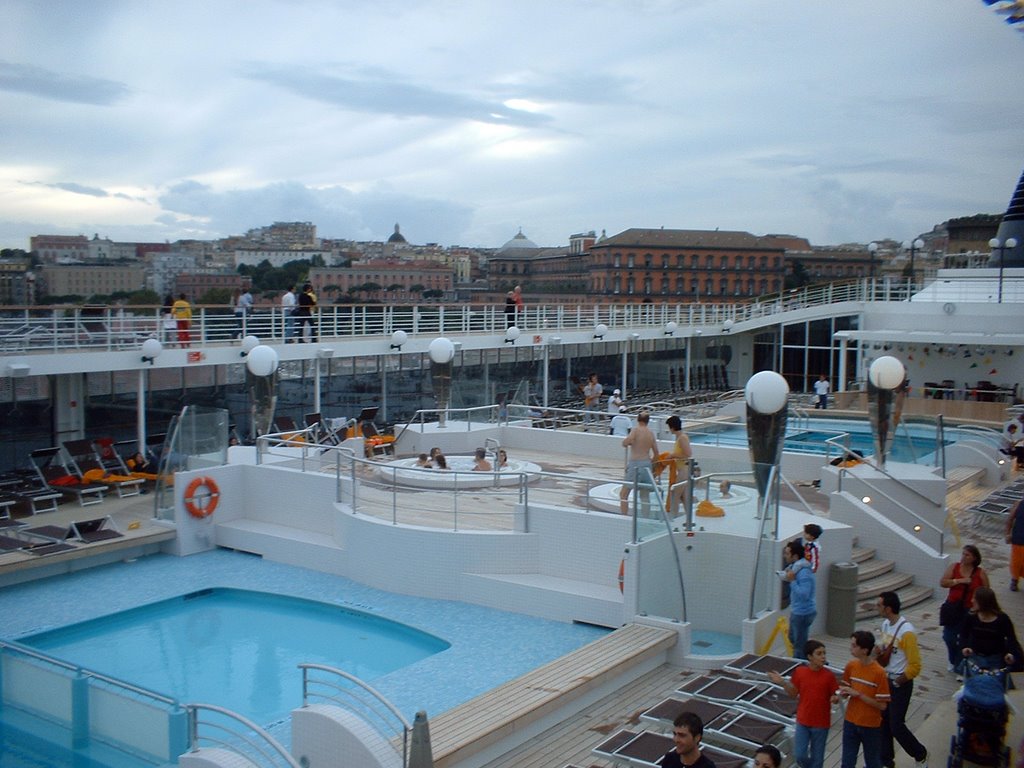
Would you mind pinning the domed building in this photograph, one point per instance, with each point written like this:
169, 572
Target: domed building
397, 237
519, 243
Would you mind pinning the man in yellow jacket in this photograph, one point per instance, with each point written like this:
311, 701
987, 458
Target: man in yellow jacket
182, 312
904, 665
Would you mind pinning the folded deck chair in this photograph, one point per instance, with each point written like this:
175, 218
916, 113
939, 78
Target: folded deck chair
85, 463
47, 539
761, 698
97, 529
646, 748
753, 665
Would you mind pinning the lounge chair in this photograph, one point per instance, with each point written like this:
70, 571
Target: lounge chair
645, 748
54, 475
761, 698
758, 666
323, 432
47, 539
376, 443
723, 724
86, 463
32, 487
97, 529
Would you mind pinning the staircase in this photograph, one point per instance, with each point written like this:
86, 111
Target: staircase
878, 576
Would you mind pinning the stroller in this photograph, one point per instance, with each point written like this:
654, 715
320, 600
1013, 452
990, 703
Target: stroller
982, 714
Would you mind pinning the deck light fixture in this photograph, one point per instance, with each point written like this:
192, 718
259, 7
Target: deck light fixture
600, 330
249, 343
767, 397
398, 339
261, 360
885, 375
151, 349
512, 334
670, 328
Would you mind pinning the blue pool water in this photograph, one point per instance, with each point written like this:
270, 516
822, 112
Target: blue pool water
905, 447
236, 648
487, 647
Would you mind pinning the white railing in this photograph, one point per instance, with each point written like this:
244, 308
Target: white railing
213, 726
59, 328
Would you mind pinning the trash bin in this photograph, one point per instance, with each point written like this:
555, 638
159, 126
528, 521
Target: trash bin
842, 599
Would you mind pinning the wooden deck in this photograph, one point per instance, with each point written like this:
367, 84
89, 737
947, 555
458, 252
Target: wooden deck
510, 710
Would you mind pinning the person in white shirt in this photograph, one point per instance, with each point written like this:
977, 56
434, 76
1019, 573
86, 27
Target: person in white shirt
615, 402
288, 303
821, 389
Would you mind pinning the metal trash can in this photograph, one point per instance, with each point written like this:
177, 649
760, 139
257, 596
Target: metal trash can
843, 579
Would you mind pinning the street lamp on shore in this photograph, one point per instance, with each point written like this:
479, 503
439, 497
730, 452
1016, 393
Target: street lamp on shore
873, 250
913, 246
996, 245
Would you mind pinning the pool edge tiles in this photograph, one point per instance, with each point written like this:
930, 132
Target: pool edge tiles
488, 647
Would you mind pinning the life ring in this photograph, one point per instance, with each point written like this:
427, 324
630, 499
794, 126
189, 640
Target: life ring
622, 576
204, 505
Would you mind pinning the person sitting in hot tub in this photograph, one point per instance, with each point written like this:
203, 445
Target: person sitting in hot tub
480, 462
502, 458
424, 461
725, 489
440, 462
434, 453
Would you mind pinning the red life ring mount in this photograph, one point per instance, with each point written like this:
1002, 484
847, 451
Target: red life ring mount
201, 504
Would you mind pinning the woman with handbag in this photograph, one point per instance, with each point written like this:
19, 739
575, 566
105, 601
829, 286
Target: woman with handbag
961, 579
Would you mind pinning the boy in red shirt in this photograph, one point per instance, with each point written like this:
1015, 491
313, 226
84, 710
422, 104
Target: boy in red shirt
815, 688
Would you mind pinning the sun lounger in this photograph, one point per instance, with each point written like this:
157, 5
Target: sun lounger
85, 461
761, 698
9, 543
54, 476
645, 748
323, 432
722, 723
32, 487
98, 529
758, 667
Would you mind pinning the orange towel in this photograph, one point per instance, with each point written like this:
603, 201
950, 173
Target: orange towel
707, 509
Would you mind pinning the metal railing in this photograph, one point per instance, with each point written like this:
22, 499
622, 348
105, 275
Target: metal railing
59, 328
220, 728
360, 699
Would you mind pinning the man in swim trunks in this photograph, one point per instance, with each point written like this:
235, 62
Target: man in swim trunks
643, 450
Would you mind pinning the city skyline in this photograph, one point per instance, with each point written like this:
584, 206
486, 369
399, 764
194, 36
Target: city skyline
464, 123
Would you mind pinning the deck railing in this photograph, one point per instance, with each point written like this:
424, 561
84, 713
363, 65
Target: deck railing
78, 327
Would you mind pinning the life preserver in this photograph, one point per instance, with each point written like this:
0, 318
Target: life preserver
201, 506
622, 576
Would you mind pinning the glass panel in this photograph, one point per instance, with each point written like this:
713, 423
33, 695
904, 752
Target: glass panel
198, 438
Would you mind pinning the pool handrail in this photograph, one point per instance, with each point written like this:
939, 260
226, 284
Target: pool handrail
376, 698
266, 746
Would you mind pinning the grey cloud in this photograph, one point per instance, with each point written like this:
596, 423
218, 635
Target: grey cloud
337, 211
46, 84
79, 189
585, 88
380, 92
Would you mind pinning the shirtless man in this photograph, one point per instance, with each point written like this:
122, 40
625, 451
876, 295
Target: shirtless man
480, 462
643, 450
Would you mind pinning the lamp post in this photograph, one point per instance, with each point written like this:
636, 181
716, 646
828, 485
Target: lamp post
1001, 246
151, 349
913, 246
885, 375
261, 364
873, 251
441, 352
767, 397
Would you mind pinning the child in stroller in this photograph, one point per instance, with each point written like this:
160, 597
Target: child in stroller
982, 715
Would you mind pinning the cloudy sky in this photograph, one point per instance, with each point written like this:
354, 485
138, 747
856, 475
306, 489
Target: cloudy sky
465, 120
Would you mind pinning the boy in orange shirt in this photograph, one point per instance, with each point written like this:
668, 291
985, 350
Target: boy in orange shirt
865, 686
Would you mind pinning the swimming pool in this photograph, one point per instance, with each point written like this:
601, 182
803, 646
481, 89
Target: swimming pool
236, 648
487, 647
912, 444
